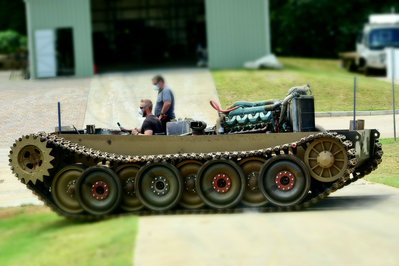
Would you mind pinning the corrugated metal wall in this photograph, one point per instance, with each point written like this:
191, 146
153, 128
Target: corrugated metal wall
237, 31
51, 14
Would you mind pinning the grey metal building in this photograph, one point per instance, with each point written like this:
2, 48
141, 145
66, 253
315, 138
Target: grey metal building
80, 37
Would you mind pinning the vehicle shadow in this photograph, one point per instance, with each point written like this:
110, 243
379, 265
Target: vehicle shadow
349, 202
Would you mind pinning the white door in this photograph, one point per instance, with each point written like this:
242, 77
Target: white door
46, 65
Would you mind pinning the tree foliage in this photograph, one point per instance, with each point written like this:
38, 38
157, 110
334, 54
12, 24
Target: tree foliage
11, 41
12, 26
320, 28
12, 16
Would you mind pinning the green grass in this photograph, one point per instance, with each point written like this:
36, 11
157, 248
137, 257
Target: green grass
40, 237
388, 171
331, 85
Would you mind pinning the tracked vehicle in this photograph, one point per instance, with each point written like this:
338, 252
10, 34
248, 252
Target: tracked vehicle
265, 155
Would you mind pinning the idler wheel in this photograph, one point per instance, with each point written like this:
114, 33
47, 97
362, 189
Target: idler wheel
251, 167
158, 186
127, 174
284, 180
188, 171
326, 159
220, 183
99, 190
63, 189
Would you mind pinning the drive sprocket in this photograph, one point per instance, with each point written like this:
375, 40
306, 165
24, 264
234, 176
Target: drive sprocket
30, 158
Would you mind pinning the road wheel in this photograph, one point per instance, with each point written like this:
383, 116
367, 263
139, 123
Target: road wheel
158, 186
63, 189
99, 190
127, 175
251, 167
220, 183
188, 171
284, 180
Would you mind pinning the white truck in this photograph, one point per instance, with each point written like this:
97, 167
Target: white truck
382, 31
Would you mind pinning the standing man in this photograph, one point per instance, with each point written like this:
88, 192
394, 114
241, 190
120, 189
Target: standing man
165, 106
151, 125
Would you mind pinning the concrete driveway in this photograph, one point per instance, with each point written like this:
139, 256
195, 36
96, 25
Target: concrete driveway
384, 123
358, 225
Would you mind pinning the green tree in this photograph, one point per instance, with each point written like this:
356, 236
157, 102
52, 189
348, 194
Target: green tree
320, 28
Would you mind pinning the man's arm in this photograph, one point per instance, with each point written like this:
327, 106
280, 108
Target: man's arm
135, 131
165, 108
148, 132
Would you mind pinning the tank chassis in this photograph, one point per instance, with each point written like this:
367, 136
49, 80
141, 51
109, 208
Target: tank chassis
267, 156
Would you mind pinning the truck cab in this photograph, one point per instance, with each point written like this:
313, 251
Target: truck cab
381, 32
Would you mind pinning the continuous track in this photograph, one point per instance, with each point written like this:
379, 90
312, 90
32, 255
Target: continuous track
83, 154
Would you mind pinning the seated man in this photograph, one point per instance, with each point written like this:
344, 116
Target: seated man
151, 125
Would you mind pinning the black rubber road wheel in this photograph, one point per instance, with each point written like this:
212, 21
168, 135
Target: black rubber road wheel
99, 190
284, 180
158, 186
220, 183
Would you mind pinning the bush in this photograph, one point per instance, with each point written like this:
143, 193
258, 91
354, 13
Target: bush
11, 41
